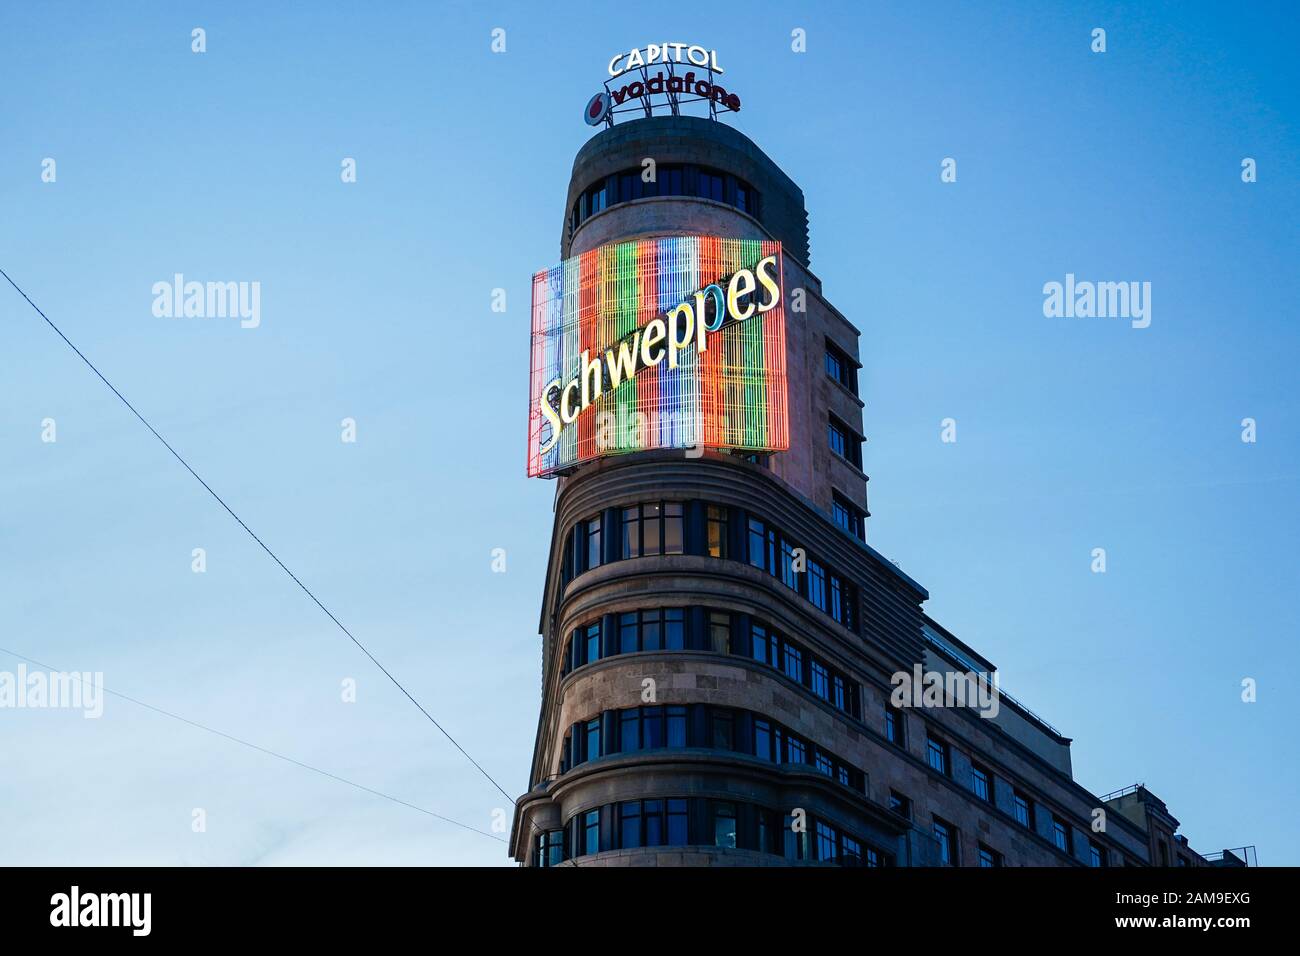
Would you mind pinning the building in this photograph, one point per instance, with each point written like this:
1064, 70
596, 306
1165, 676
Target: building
718, 636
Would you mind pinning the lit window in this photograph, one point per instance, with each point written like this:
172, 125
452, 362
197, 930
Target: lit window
718, 522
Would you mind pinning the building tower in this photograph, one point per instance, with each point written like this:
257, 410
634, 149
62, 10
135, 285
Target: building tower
719, 638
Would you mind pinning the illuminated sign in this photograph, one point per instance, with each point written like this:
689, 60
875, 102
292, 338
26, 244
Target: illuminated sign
632, 87
675, 342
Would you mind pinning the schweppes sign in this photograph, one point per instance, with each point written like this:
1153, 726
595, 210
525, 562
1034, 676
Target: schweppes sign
676, 342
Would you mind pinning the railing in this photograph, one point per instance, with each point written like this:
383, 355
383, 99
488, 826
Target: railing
1243, 855
1122, 792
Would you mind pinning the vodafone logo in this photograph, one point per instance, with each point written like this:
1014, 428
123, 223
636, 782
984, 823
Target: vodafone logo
597, 108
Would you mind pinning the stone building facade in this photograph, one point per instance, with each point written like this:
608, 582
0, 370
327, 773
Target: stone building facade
709, 699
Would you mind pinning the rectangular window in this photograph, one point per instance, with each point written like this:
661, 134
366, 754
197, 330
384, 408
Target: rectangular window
593, 542
980, 782
591, 832
718, 523
651, 528
826, 841
630, 731
629, 828
628, 633
900, 804
793, 663
796, 751
757, 546
674, 628
788, 575
839, 694
844, 442
652, 728
947, 837
795, 842
676, 730
821, 683
894, 726
848, 516
817, 584
720, 632
674, 528
1021, 810
631, 532
593, 739
762, 645
651, 631
1061, 834
823, 764
937, 752
652, 812
593, 642
677, 823
724, 824
841, 368
723, 732
1096, 855
763, 740
989, 857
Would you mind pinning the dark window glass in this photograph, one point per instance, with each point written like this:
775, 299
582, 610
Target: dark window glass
651, 528
1061, 834
630, 730
718, 523
593, 642
1096, 855
676, 717
591, 832
834, 367
674, 534
655, 829
894, 726
724, 824
674, 628
793, 663
723, 733
1021, 811
823, 764
837, 439
763, 740
937, 752
593, 739
651, 631
788, 577
980, 782
631, 532
593, 542
944, 834
989, 858
816, 584
757, 544
900, 805
795, 842
720, 632
627, 632
630, 825
821, 685
796, 751
677, 823
652, 728
839, 695
826, 841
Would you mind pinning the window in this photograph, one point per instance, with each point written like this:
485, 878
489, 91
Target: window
591, 832
763, 742
763, 645
722, 734
630, 732
718, 524
629, 633
593, 542
840, 697
823, 764
1061, 835
848, 516
720, 632
841, 368
793, 665
989, 857
655, 528
632, 532
592, 641
549, 848
894, 726
795, 842
675, 718
844, 442
762, 546
724, 824
827, 840
1021, 809
1096, 854
947, 837
937, 753
821, 685
675, 179
979, 782
900, 804
788, 574
816, 584
796, 751
629, 826
678, 833
592, 740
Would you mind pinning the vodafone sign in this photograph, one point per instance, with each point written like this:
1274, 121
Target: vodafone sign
663, 76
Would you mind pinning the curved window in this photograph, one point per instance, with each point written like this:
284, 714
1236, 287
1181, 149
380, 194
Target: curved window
728, 824
724, 729
669, 179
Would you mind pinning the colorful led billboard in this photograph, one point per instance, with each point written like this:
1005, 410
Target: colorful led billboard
675, 342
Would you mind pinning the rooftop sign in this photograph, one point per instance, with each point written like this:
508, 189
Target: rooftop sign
663, 76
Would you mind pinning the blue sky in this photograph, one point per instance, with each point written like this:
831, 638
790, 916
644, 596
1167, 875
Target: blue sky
1072, 433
